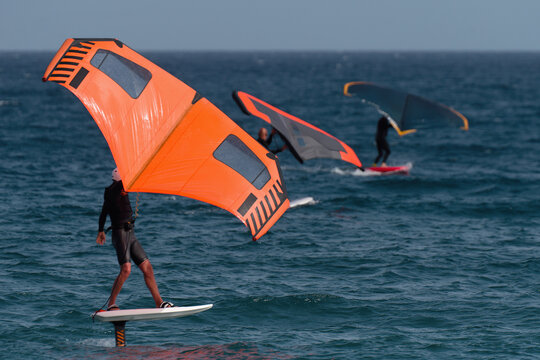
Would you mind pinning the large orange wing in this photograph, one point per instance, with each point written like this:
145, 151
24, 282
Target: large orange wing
166, 138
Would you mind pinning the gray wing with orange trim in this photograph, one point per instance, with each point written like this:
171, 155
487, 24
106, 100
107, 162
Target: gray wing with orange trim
304, 140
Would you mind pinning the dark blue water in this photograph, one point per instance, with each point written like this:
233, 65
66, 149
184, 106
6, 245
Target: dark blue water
441, 264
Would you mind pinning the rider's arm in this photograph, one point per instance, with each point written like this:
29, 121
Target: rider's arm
103, 215
278, 150
269, 139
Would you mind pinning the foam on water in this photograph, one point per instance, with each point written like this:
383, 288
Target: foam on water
108, 342
308, 200
355, 172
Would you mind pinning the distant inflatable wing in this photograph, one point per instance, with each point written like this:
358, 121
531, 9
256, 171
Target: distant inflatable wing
166, 138
304, 140
406, 111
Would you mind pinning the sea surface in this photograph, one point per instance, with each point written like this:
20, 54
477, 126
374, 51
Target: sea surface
441, 264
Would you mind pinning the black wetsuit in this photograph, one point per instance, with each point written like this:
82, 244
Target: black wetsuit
383, 148
266, 143
116, 204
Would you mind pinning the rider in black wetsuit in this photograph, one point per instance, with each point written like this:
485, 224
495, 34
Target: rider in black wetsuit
116, 204
266, 140
380, 138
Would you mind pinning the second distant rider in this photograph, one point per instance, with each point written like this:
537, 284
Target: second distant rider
383, 148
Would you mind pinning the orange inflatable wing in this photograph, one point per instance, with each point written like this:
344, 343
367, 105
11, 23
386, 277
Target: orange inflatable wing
304, 140
166, 138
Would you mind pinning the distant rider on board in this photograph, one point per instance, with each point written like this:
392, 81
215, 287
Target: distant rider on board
116, 204
266, 140
383, 148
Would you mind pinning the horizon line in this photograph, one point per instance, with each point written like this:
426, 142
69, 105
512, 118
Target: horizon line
313, 50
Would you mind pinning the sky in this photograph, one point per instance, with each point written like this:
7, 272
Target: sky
336, 25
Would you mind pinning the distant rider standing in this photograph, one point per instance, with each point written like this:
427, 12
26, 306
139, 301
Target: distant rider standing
383, 148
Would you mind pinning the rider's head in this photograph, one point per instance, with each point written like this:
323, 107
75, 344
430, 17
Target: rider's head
116, 175
263, 134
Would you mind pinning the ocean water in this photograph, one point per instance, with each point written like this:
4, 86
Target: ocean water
441, 264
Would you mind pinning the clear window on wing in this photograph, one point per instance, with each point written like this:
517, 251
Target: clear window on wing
131, 77
238, 156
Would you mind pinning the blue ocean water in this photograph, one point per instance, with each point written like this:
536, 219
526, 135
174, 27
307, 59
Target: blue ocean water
441, 264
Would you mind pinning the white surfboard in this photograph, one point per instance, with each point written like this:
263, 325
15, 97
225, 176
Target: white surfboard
151, 314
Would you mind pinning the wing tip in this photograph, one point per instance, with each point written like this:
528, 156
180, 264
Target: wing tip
351, 83
465, 126
237, 98
275, 217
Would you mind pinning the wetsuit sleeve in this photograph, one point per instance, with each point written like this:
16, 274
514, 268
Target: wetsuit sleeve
104, 213
269, 140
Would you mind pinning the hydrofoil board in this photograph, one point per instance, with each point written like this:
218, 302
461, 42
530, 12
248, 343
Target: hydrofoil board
389, 170
151, 313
